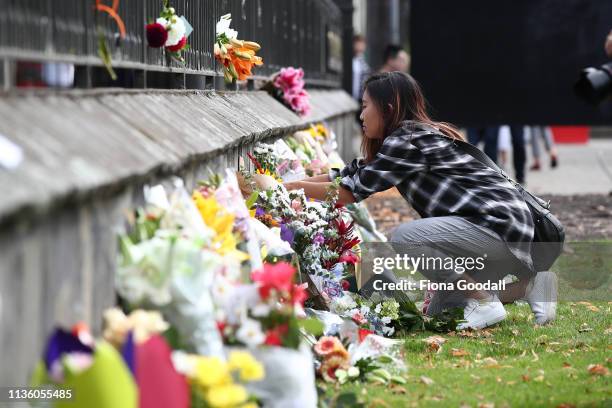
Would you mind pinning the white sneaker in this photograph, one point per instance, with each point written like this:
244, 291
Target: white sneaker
482, 313
541, 294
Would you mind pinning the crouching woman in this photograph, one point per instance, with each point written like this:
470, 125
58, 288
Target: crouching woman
467, 209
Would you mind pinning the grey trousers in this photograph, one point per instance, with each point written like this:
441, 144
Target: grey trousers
454, 237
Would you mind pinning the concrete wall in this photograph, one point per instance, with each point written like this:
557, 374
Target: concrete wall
87, 156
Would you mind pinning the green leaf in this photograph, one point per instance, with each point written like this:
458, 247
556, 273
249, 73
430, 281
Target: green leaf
312, 326
105, 55
252, 199
398, 380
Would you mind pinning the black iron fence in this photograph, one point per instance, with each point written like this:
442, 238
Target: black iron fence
304, 33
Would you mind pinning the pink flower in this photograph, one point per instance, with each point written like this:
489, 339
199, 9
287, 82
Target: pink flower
298, 100
290, 78
296, 205
349, 257
277, 277
359, 318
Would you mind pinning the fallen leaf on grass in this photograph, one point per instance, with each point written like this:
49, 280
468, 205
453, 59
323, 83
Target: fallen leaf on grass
459, 353
525, 378
566, 365
434, 343
565, 405
597, 369
396, 389
589, 306
426, 380
490, 362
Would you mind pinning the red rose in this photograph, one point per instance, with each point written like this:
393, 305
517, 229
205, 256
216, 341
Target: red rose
274, 336
363, 333
156, 35
178, 46
345, 284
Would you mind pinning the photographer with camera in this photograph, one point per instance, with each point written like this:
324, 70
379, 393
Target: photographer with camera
595, 84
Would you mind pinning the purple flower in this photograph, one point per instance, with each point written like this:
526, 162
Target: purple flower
286, 233
62, 342
128, 352
259, 212
280, 169
332, 288
318, 239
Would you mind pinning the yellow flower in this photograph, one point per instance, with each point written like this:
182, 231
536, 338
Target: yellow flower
250, 369
226, 396
222, 222
249, 405
212, 372
267, 172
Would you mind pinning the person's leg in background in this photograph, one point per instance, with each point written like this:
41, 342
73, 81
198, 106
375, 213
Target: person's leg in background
474, 135
549, 143
518, 152
536, 134
491, 136
504, 146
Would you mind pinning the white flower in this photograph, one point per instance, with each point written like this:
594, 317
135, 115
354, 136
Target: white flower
388, 331
378, 308
223, 27
342, 304
176, 32
250, 333
386, 320
183, 363
353, 372
261, 310
222, 291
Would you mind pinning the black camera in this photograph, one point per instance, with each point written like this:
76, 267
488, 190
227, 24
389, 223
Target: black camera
595, 84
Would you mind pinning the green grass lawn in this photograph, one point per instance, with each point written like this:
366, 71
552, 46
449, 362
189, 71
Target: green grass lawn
513, 364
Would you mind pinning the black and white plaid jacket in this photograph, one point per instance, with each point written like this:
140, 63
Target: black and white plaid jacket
438, 179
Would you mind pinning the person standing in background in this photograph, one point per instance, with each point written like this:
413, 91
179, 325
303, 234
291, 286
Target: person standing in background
395, 59
361, 69
543, 133
608, 44
490, 134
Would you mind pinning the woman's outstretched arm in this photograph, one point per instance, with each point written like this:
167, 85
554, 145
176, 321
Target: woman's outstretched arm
318, 190
318, 179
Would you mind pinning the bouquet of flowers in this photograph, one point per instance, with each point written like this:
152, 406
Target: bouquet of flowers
169, 31
169, 259
287, 86
218, 382
237, 56
263, 312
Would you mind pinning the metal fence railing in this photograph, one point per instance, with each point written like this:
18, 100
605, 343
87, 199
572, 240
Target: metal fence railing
302, 33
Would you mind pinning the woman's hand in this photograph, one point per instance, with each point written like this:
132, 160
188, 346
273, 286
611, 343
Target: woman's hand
245, 187
264, 181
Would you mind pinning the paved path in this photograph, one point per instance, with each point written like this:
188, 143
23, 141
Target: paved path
583, 169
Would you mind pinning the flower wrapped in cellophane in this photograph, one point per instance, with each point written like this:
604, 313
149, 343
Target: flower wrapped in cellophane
169, 260
238, 57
